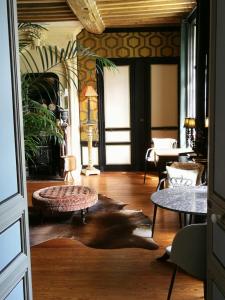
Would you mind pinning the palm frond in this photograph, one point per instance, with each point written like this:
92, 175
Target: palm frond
40, 123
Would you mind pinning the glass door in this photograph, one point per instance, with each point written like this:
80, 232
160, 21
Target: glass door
117, 118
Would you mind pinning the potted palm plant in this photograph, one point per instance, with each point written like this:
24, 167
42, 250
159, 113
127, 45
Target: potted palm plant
40, 123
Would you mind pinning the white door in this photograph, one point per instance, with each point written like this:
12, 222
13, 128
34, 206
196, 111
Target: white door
216, 201
14, 247
117, 117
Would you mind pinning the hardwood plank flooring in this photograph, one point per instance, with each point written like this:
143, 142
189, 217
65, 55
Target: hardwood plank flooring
68, 270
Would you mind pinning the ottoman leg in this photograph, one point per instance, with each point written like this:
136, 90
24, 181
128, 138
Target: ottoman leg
83, 215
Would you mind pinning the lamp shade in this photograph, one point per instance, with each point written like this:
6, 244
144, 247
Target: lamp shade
186, 121
189, 122
90, 92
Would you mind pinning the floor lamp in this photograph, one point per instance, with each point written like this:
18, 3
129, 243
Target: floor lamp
90, 169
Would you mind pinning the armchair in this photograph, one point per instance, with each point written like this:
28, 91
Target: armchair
188, 252
157, 143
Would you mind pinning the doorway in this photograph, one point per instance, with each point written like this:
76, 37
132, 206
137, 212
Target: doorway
138, 101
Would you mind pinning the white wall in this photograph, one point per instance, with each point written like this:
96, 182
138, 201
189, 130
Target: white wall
59, 33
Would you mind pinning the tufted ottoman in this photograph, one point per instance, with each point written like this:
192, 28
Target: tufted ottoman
64, 198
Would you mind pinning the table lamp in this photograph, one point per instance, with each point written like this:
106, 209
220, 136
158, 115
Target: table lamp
189, 124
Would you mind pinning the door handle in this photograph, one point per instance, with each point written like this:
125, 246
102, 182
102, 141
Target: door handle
215, 218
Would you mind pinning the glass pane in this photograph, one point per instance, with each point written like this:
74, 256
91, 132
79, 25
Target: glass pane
85, 155
117, 136
118, 155
10, 244
165, 134
164, 92
8, 185
117, 97
17, 293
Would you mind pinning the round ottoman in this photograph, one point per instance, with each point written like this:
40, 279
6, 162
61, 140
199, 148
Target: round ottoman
64, 198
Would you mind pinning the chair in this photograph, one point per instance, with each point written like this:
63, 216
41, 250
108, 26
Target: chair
188, 252
157, 143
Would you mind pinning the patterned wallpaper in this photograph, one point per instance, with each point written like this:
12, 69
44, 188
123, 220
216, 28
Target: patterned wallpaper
116, 45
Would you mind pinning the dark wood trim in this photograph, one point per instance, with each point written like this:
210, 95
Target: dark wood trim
85, 143
118, 143
101, 118
118, 129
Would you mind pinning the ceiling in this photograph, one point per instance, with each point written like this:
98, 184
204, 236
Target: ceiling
97, 15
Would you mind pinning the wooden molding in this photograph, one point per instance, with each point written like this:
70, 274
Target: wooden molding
87, 13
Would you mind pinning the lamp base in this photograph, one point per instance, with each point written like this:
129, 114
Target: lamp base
90, 171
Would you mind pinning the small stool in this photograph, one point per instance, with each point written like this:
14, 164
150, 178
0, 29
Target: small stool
65, 198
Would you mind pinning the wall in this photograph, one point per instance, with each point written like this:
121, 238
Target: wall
120, 45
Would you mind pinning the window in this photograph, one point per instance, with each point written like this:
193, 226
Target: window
191, 70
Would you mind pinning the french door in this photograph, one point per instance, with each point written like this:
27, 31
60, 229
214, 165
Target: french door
138, 101
216, 198
15, 277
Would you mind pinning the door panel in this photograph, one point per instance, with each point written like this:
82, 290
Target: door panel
7, 150
17, 293
14, 245
164, 95
117, 97
117, 125
216, 201
141, 95
164, 100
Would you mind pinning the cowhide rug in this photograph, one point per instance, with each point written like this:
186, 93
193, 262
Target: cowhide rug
109, 225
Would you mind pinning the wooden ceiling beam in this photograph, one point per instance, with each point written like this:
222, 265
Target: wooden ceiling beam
132, 2
143, 23
88, 14
143, 6
48, 13
46, 18
40, 11
44, 6
34, 2
142, 11
143, 15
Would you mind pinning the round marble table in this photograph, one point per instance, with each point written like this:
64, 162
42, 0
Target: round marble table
187, 199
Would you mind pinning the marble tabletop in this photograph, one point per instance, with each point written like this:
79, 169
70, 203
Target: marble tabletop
186, 199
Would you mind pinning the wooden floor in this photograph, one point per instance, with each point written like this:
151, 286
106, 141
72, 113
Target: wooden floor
66, 269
